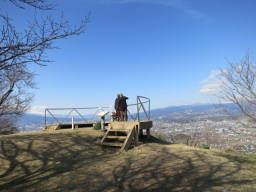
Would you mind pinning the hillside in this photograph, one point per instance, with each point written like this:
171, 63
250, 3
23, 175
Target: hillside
75, 161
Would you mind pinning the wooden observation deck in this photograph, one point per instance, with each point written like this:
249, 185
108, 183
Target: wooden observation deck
121, 134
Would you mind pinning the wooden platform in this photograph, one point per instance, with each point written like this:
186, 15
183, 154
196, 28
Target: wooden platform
129, 124
124, 134
69, 125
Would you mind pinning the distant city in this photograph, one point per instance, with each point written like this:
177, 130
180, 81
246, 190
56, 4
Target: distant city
218, 126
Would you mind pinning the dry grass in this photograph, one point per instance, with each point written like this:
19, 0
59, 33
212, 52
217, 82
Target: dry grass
75, 161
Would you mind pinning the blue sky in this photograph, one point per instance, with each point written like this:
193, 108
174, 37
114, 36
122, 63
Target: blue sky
167, 50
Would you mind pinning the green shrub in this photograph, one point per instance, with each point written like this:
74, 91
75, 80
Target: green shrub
97, 126
204, 146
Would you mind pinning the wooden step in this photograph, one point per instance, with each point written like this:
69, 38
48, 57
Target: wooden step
112, 144
115, 137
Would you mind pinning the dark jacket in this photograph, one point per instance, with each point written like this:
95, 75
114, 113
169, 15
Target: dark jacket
122, 103
117, 103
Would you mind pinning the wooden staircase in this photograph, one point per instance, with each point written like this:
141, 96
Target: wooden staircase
123, 135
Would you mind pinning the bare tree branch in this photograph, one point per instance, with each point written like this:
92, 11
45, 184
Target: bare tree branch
18, 50
239, 86
39, 4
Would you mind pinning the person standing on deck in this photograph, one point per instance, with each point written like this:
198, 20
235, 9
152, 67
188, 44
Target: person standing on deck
117, 108
123, 107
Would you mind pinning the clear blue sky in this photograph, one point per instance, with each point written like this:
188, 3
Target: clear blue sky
162, 49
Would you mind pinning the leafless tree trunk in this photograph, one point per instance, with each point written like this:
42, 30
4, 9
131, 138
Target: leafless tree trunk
20, 49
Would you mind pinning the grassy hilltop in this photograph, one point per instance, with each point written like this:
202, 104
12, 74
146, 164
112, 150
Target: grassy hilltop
75, 161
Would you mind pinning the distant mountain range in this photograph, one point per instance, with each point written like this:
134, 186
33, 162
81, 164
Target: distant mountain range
30, 122
195, 112
194, 108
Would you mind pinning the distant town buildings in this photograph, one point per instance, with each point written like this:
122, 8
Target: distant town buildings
224, 134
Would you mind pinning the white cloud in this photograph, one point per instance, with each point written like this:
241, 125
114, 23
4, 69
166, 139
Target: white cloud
212, 76
36, 110
212, 87
213, 83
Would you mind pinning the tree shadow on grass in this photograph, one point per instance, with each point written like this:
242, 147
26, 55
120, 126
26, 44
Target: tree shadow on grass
153, 139
167, 171
241, 159
28, 163
36, 160
160, 174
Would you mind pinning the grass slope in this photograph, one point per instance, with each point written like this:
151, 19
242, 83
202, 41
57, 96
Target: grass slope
75, 161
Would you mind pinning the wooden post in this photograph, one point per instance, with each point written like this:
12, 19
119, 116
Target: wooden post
148, 133
136, 136
103, 123
112, 117
141, 133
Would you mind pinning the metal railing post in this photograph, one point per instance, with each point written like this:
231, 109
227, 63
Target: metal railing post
144, 109
149, 109
138, 110
72, 122
45, 118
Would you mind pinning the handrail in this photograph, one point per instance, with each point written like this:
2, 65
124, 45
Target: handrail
68, 108
136, 103
71, 110
139, 104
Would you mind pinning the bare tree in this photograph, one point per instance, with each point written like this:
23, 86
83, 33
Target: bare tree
239, 87
39, 4
18, 50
